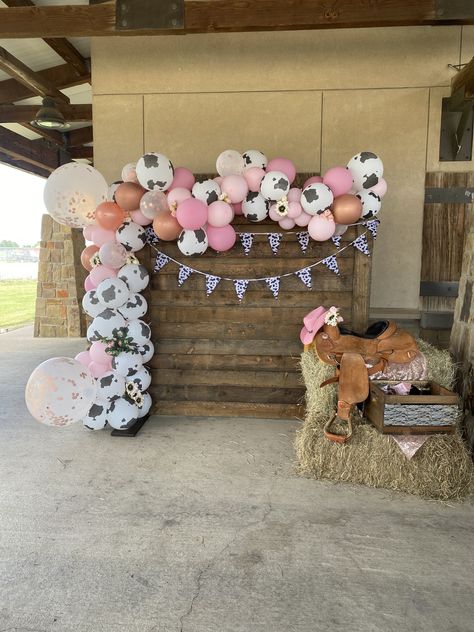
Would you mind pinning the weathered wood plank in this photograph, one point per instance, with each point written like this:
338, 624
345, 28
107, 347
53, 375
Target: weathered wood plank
361, 286
227, 362
230, 409
251, 379
212, 346
225, 331
256, 298
227, 394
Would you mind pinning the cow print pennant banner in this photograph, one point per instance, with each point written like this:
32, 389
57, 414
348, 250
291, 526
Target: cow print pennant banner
336, 240
151, 235
241, 287
274, 239
305, 276
161, 261
273, 284
211, 283
331, 263
361, 244
303, 239
247, 241
184, 274
373, 225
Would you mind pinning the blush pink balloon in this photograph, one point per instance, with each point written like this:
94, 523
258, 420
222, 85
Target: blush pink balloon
294, 195
222, 238
379, 189
235, 187
284, 165
294, 210
339, 180
98, 370
100, 273
138, 217
191, 214
287, 223
237, 208
312, 180
84, 358
101, 236
178, 195
303, 219
183, 178
218, 179
113, 255
98, 353
89, 283
272, 213
322, 227
87, 232
253, 177
219, 214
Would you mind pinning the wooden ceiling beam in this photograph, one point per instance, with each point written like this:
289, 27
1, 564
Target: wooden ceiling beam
202, 16
26, 113
34, 152
48, 134
81, 152
81, 136
23, 166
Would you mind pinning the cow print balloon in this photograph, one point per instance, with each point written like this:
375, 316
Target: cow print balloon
142, 379
105, 325
112, 188
371, 203
110, 386
135, 276
255, 207
254, 158
145, 409
112, 292
132, 236
193, 242
366, 169
135, 307
91, 304
207, 191
155, 171
274, 185
139, 332
96, 418
316, 198
122, 414
147, 351
127, 363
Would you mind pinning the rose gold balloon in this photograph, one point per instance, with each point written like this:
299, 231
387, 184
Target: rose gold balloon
128, 195
87, 254
166, 226
346, 209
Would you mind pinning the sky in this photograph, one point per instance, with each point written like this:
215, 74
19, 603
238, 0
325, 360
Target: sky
21, 206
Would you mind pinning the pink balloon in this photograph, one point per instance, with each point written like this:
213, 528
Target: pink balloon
183, 178
303, 219
138, 217
235, 187
287, 223
98, 354
294, 195
219, 214
101, 236
89, 284
339, 180
191, 214
218, 179
113, 255
253, 177
322, 227
272, 213
237, 208
222, 238
98, 370
284, 165
379, 189
176, 196
100, 273
87, 232
294, 210
312, 180
84, 358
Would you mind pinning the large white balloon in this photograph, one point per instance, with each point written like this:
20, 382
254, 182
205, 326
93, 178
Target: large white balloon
60, 391
122, 414
366, 169
155, 171
135, 276
73, 192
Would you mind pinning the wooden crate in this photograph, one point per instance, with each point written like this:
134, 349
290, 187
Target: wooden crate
412, 414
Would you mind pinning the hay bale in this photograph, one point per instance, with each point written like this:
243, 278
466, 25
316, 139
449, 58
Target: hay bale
441, 469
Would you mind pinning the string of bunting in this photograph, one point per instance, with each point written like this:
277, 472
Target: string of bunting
273, 283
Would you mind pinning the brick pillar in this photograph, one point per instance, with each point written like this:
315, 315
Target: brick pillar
60, 282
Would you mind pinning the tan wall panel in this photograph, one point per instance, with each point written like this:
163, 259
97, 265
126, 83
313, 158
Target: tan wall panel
393, 124
193, 129
325, 59
467, 50
118, 132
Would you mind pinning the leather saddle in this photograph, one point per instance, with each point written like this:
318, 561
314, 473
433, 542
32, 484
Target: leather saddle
356, 356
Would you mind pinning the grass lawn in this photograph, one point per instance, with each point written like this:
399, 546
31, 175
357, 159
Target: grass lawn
17, 303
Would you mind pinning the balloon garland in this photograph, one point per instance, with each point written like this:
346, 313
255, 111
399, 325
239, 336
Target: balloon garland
108, 383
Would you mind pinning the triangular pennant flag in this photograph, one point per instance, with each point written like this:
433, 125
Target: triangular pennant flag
273, 285
241, 287
331, 263
303, 239
336, 240
161, 261
247, 241
274, 240
305, 276
151, 235
373, 225
183, 274
361, 244
211, 283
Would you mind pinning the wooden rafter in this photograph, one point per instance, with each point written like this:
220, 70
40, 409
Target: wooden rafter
81, 152
23, 166
36, 152
26, 113
81, 136
48, 134
203, 16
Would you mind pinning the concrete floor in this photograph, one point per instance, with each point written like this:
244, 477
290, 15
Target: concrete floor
201, 525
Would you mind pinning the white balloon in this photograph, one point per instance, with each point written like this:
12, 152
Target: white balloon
208, 191
155, 171
105, 325
135, 276
316, 198
146, 405
112, 292
131, 235
366, 169
127, 363
91, 304
135, 307
122, 413
193, 242
274, 185
230, 163
129, 172
147, 351
139, 332
111, 190
73, 192
254, 158
142, 379
110, 386
255, 207
96, 418
371, 203
340, 230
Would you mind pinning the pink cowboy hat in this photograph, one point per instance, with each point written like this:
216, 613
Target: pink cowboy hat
312, 324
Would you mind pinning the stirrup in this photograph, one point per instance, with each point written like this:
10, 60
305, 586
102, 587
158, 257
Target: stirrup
338, 438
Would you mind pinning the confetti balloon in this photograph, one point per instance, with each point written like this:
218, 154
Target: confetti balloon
113, 254
152, 203
229, 163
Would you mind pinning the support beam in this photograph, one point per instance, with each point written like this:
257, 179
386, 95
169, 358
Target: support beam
26, 113
79, 137
81, 152
23, 166
203, 16
33, 152
48, 134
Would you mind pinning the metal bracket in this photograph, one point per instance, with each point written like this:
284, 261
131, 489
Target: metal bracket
456, 128
149, 14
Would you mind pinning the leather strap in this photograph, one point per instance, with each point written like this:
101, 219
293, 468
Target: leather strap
337, 438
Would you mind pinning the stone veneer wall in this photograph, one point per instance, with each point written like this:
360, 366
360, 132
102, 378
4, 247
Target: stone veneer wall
60, 282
